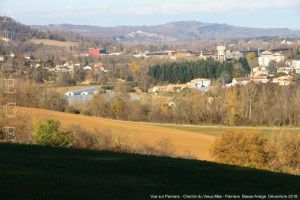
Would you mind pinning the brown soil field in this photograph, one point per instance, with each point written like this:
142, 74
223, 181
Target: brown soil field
197, 144
53, 42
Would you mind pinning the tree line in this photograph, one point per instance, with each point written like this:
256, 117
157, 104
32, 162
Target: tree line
253, 104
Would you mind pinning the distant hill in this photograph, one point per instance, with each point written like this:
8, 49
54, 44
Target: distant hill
9, 28
16, 31
186, 30
35, 172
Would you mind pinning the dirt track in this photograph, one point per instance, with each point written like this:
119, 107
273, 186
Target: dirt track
197, 143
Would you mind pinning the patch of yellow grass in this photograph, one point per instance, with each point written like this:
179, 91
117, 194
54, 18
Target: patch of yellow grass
53, 42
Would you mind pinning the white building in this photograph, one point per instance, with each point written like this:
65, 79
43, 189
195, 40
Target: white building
69, 93
240, 81
296, 66
199, 83
236, 55
278, 57
87, 68
267, 56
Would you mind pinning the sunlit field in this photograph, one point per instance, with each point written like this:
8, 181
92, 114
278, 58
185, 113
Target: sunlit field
216, 130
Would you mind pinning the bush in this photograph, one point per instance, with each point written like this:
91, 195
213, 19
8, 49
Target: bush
165, 147
20, 128
238, 148
279, 152
107, 87
72, 109
284, 152
49, 134
82, 139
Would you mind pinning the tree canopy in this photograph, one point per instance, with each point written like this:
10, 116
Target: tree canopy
182, 72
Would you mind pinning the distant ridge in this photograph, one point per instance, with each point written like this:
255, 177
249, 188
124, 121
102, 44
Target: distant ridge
183, 30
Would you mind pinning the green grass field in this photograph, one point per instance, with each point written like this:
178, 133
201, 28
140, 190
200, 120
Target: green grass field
33, 172
216, 130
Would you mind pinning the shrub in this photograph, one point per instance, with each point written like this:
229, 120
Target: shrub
284, 152
49, 134
72, 109
165, 147
238, 148
278, 152
21, 129
82, 139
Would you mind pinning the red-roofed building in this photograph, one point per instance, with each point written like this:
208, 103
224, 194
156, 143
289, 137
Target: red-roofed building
94, 52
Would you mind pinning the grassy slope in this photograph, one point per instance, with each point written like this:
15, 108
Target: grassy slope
32, 172
197, 143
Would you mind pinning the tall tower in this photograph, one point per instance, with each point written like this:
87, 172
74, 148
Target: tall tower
221, 53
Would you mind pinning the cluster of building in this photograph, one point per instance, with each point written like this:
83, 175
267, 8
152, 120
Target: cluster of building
173, 55
221, 54
71, 67
266, 57
282, 80
66, 67
200, 84
287, 67
260, 74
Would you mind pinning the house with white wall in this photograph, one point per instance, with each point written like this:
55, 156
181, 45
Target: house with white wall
198, 83
267, 56
296, 66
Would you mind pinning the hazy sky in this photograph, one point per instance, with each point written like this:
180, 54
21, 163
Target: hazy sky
253, 13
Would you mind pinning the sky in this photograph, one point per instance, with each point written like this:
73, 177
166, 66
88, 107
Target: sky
249, 13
